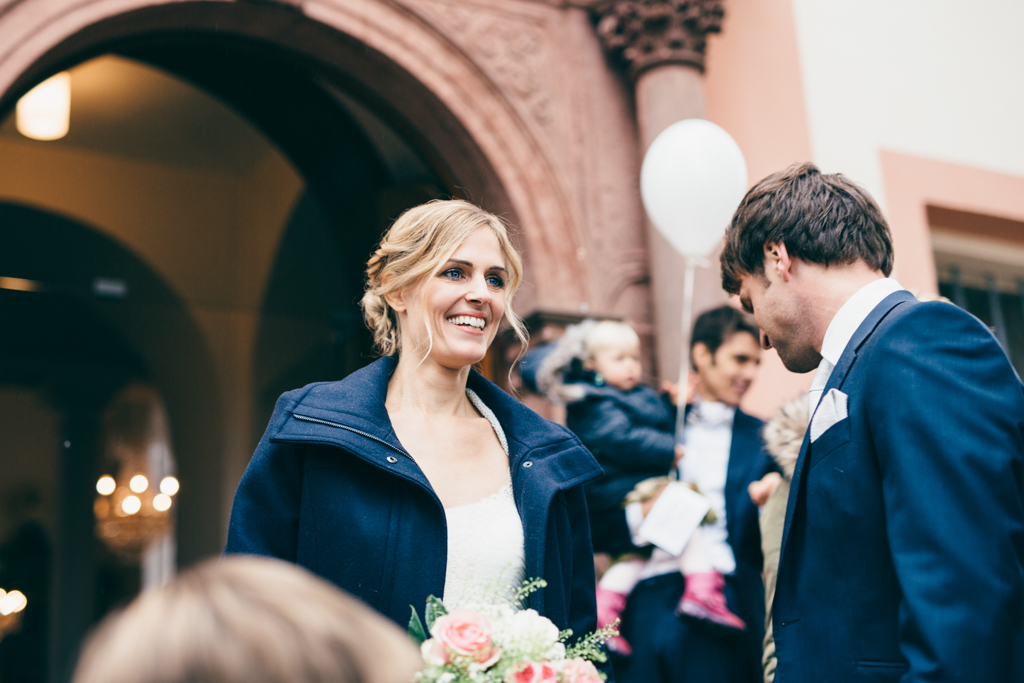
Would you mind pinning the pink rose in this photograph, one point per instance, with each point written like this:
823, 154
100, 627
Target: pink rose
580, 671
464, 633
433, 652
532, 672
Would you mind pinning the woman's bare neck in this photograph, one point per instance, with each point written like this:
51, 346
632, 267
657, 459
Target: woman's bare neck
428, 388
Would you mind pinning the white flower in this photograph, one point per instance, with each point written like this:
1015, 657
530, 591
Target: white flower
529, 625
533, 635
446, 678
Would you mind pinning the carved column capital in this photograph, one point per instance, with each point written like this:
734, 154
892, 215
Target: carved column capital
648, 33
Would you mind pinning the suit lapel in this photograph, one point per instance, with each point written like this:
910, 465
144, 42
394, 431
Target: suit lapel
835, 381
742, 450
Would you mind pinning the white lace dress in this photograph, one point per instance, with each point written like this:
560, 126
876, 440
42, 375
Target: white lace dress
485, 538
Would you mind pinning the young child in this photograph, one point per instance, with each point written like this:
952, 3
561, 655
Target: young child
595, 370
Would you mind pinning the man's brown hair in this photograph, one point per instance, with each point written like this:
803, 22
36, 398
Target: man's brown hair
821, 218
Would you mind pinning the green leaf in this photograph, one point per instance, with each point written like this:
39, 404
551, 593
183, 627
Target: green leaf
435, 609
416, 627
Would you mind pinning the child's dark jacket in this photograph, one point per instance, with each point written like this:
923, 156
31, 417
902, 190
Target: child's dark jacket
631, 433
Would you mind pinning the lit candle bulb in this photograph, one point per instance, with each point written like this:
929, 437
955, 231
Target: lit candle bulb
131, 505
169, 485
106, 485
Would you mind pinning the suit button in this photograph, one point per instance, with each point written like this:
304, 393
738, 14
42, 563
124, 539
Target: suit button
528, 463
392, 459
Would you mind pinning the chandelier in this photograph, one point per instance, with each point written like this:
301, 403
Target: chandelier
131, 514
11, 605
134, 507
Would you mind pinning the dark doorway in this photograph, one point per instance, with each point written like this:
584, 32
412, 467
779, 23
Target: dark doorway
69, 344
88, 309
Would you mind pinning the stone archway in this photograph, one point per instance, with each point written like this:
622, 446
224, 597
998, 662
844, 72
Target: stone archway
491, 142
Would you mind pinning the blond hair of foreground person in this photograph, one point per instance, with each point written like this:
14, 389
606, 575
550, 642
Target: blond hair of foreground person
247, 620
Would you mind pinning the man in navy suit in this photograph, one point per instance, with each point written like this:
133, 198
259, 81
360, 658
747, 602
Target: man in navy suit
903, 548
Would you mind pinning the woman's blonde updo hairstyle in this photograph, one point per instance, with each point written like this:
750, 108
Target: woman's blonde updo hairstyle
416, 246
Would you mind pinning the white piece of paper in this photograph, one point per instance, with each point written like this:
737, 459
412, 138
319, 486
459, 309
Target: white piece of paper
674, 517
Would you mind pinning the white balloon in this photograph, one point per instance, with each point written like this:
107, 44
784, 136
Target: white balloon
692, 179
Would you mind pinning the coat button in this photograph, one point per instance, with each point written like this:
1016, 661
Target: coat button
392, 459
528, 463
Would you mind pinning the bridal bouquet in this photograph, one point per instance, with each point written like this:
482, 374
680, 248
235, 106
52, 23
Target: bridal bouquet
496, 641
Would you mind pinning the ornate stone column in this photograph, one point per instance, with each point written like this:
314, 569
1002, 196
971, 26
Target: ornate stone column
660, 46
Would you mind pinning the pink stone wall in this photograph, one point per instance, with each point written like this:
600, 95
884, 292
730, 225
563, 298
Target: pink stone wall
912, 183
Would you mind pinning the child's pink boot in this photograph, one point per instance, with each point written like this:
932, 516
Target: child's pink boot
609, 608
703, 599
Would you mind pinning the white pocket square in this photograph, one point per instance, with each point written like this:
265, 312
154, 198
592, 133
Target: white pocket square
831, 409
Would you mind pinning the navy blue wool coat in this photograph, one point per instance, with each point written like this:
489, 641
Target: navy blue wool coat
331, 489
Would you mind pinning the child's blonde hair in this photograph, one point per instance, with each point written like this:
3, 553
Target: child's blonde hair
416, 246
246, 619
608, 334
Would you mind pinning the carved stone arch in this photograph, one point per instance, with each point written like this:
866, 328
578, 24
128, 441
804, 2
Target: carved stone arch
464, 118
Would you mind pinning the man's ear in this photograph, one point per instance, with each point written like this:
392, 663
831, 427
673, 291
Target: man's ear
702, 356
778, 261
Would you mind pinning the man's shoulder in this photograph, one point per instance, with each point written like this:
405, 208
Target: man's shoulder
931, 324
916, 311
926, 342
747, 421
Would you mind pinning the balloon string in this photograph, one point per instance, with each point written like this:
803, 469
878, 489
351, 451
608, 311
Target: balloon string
692, 263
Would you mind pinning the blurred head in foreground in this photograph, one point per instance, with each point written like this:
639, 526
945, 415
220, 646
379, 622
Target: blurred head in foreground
247, 620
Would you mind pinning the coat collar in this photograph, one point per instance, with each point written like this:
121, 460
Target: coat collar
835, 381
357, 403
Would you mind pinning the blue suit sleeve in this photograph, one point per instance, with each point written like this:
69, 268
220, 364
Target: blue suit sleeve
945, 410
609, 430
265, 512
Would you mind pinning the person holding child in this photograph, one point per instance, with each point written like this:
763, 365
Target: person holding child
723, 455
595, 369
416, 476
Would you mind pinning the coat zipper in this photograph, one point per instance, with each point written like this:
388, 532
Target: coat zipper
306, 418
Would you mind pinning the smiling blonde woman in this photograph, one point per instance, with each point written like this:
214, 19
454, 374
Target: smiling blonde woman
416, 476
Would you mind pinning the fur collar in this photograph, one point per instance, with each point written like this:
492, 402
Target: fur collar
562, 365
784, 434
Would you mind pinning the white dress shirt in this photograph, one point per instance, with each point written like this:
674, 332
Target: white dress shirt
842, 328
707, 439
